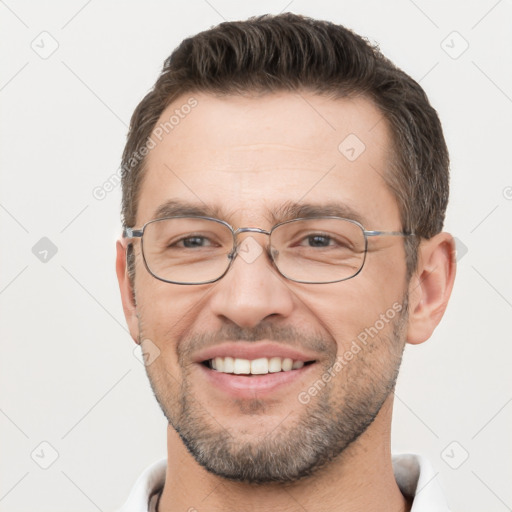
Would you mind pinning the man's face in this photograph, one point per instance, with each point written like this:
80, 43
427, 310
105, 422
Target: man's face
246, 157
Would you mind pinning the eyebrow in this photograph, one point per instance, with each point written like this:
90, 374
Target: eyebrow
293, 210
286, 211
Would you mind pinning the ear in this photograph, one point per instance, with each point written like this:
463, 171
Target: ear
127, 292
431, 286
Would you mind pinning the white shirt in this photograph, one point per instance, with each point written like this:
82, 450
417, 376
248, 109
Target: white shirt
413, 473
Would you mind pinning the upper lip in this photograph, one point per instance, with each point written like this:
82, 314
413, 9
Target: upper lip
253, 350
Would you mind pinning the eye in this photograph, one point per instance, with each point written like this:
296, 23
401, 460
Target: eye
193, 241
318, 240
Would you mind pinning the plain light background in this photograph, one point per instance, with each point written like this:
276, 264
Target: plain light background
69, 377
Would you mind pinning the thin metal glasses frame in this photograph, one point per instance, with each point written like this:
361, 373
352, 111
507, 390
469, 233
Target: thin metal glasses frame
139, 233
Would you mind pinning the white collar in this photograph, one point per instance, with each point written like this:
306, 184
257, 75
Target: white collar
413, 473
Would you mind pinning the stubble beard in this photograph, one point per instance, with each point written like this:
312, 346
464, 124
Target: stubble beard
321, 432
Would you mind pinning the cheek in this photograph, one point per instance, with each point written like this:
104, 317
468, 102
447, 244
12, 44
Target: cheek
167, 312
354, 308
385, 269
154, 305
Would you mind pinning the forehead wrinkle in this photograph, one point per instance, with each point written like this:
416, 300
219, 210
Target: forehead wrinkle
272, 145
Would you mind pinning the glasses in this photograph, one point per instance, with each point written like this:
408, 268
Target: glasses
200, 250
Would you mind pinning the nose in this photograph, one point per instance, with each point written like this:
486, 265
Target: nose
252, 289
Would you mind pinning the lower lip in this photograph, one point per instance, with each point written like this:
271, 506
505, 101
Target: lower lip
242, 386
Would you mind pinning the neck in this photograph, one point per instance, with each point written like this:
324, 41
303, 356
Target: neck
361, 478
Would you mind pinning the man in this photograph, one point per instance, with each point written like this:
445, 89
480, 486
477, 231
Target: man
284, 192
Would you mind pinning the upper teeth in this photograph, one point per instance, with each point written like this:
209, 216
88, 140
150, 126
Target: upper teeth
256, 366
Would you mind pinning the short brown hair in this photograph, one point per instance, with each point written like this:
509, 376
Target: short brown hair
289, 52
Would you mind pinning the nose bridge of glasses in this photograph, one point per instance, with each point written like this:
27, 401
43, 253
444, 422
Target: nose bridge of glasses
248, 245
251, 230
239, 231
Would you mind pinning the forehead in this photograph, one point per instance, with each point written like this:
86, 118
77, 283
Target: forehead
244, 157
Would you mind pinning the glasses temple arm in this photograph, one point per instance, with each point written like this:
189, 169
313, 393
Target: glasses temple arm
388, 233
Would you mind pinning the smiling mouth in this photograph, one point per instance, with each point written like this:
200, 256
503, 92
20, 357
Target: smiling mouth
249, 368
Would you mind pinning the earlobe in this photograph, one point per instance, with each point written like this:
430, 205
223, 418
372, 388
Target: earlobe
431, 286
126, 289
